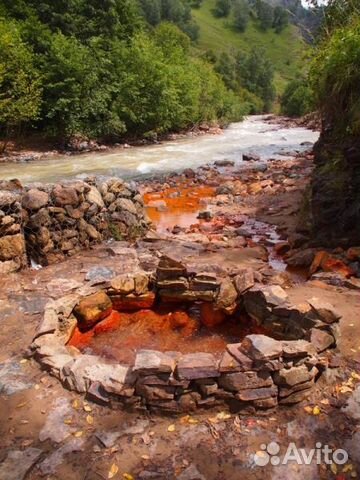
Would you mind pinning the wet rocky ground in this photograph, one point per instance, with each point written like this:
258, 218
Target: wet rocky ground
252, 217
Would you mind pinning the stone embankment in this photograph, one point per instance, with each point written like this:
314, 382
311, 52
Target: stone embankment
256, 374
47, 223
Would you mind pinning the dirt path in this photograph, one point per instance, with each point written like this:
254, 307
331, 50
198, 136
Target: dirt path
48, 432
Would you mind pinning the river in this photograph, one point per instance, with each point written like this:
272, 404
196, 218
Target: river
252, 135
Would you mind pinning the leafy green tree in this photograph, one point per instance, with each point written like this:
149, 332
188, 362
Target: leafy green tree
20, 83
241, 15
152, 11
222, 8
225, 66
281, 19
256, 74
297, 100
77, 89
265, 14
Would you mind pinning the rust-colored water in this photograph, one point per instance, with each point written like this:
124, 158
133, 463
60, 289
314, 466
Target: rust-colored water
121, 335
181, 206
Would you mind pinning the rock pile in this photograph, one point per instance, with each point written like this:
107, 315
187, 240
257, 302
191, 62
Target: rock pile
56, 221
12, 243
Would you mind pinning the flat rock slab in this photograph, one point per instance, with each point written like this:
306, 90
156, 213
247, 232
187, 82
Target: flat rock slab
109, 439
148, 362
325, 311
197, 365
55, 429
50, 464
235, 382
18, 463
13, 379
98, 275
261, 347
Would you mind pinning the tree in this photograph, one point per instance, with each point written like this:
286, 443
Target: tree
222, 8
20, 83
281, 19
297, 99
152, 11
265, 14
241, 15
256, 74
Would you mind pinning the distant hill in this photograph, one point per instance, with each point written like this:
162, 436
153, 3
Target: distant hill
285, 49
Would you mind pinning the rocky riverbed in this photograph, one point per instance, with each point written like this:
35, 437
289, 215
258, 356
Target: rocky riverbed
221, 218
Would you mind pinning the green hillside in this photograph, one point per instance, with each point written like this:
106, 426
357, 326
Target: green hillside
285, 50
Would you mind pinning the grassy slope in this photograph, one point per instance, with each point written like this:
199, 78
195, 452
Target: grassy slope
285, 50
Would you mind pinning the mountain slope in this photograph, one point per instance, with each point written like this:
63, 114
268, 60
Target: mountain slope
285, 50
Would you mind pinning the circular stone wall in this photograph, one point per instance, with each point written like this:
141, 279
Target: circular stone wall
259, 373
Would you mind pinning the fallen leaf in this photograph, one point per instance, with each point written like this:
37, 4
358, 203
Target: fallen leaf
171, 428
355, 376
213, 420
223, 416
68, 421
347, 468
316, 410
90, 420
76, 404
193, 421
325, 401
145, 457
78, 434
87, 408
308, 409
345, 389
333, 468
127, 476
23, 361
113, 471
20, 405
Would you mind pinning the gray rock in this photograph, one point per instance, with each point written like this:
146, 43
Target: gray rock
55, 429
191, 473
229, 363
297, 348
321, 340
235, 382
18, 463
13, 379
325, 311
254, 394
35, 199
227, 296
261, 347
94, 196
148, 362
295, 375
97, 275
123, 284
55, 459
197, 365
109, 439
244, 280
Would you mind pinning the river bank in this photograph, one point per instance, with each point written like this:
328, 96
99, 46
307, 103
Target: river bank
222, 217
37, 148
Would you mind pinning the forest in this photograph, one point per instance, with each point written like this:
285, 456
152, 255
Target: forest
114, 68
